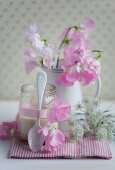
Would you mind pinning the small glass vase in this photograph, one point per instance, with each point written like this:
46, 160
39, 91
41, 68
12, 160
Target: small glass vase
28, 107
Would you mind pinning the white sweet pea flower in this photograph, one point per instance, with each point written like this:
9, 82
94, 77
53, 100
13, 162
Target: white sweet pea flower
50, 51
37, 42
33, 36
50, 54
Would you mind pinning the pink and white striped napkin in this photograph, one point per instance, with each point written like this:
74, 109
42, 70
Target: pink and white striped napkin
88, 147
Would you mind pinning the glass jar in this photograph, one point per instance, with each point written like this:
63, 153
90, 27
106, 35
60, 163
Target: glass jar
28, 107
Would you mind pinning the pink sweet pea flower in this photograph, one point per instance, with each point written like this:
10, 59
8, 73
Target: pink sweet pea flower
6, 128
54, 139
31, 30
44, 130
59, 111
4, 132
84, 70
71, 57
30, 60
87, 28
75, 38
86, 77
62, 80
67, 78
92, 65
81, 34
10, 125
78, 65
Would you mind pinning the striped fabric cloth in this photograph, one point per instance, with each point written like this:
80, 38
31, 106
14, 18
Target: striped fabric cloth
88, 147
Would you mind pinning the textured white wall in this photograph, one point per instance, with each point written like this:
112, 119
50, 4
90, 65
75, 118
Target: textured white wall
53, 16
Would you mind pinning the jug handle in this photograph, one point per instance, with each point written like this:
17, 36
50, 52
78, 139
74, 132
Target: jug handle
98, 89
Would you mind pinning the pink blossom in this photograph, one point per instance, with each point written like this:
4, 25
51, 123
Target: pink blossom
4, 132
92, 65
86, 77
84, 71
31, 30
59, 111
30, 60
77, 40
71, 57
87, 28
73, 54
54, 139
67, 78
77, 36
44, 130
10, 125
6, 128
78, 68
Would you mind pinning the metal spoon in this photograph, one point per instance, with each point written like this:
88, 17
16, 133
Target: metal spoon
35, 139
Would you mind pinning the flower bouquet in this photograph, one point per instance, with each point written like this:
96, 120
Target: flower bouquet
67, 65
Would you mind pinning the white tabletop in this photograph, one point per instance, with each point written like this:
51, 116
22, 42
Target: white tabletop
8, 112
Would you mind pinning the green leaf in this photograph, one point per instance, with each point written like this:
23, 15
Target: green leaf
98, 57
76, 27
45, 41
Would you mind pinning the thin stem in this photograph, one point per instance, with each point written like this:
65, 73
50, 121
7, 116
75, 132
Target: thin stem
65, 37
98, 51
76, 28
57, 64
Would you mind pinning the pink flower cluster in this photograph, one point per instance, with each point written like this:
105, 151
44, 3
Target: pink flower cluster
59, 111
77, 63
53, 138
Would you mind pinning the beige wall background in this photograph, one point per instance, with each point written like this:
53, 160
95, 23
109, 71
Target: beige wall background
52, 16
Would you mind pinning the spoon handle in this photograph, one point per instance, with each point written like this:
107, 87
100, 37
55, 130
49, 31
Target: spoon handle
41, 84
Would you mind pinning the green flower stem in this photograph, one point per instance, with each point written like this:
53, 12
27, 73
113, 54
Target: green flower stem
57, 64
